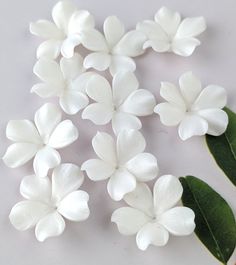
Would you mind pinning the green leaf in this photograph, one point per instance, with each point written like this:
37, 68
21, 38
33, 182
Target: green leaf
223, 148
215, 222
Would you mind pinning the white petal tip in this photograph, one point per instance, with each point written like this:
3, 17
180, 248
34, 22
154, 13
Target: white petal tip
30, 27
204, 24
143, 248
146, 45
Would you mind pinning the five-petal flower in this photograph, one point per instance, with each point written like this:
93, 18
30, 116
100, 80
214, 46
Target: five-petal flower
197, 111
154, 217
39, 140
66, 81
46, 201
114, 49
168, 33
120, 103
123, 162
64, 34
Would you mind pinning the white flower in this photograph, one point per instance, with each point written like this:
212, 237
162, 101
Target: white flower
154, 217
167, 33
119, 104
66, 81
197, 111
113, 49
46, 201
64, 34
123, 162
39, 140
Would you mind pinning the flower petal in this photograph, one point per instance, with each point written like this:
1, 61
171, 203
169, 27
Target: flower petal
120, 183
97, 169
48, 71
168, 20
125, 121
170, 114
140, 103
61, 14
190, 87
97, 60
93, 40
105, 148
171, 93
141, 199
131, 44
80, 83
121, 63
217, 120
74, 206
46, 90
143, 166
46, 119
98, 113
152, 234
184, 47
153, 30
26, 214
69, 45
123, 84
157, 37
211, 96
99, 89
22, 131
19, 153
45, 159
79, 21
179, 221
73, 101
167, 192
72, 67
129, 144
49, 49
129, 220
64, 134
36, 189
157, 45
51, 225
192, 125
191, 27
66, 178
113, 30
45, 29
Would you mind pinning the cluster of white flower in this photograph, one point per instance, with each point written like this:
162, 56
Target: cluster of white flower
122, 160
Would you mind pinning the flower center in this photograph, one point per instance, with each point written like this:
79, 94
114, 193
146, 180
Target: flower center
45, 140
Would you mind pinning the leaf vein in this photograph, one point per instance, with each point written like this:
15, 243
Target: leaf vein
230, 146
207, 223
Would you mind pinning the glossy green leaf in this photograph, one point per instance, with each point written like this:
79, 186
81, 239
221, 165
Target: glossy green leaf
215, 222
223, 148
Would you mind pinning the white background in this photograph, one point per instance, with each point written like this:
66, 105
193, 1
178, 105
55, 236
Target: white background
97, 241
